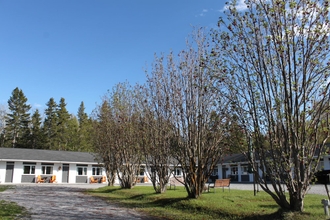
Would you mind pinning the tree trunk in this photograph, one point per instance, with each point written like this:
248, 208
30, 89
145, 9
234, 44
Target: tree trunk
296, 203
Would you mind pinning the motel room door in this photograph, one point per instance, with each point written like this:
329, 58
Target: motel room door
65, 173
9, 172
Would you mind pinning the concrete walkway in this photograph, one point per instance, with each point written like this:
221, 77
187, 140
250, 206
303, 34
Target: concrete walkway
49, 201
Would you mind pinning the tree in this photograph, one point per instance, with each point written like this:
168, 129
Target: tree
36, 139
273, 65
117, 124
17, 120
3, 113
50, 124
104, 140
85, 130
126, 135
72, 134
157, 128
63, 117
195, 111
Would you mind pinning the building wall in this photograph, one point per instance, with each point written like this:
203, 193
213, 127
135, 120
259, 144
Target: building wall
20, 177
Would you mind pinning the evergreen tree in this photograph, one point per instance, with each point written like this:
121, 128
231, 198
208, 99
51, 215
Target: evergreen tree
73, 134
18, 119
36, 136
85, 130
50, 124
63, 117
82, 116
3, 113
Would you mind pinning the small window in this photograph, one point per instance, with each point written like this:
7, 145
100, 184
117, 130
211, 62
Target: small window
215, 172
81, 171
47, 169
178, 172
29, 169
97, 171
233, 170
244, 169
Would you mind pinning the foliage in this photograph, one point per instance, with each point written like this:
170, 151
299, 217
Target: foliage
18, 119
85, 130
104, 144
50, 124
197, 113
36, 139
272, 63
120, 128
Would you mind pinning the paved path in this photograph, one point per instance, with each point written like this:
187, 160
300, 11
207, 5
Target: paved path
315, 189
45, 201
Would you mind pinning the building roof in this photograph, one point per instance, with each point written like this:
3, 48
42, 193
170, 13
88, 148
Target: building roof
234, 158
23, 154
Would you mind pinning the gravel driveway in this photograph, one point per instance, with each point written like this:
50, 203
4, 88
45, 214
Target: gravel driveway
46, 201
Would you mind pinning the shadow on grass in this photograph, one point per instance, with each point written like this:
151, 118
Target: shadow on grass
185, 207
105, 190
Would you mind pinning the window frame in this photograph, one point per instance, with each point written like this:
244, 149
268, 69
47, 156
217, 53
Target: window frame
32, 169
83, 170
97, 171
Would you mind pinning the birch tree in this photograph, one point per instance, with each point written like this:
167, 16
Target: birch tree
195, 111
273, 65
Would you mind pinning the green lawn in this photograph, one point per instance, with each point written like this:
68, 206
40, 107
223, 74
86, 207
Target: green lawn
236, 204
10, 210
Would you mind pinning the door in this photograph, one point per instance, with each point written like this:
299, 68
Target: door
224, 171
65, 173
9, 172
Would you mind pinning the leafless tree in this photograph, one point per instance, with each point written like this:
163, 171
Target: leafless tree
104, 140
273, 65
126, 135
157, 128
194, 109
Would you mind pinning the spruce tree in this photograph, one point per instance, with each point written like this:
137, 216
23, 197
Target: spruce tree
63, 117
85, 130
17, 120
36, 137
50, 124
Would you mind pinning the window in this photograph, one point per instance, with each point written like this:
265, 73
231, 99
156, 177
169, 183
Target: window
215, 172
178, 171
233, 170
81, 171
244, 169
96, 171
29, 169
47, 169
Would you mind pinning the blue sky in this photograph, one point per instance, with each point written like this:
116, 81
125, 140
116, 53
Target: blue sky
79, 49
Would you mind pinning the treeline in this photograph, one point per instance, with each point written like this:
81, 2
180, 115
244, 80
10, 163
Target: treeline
57, 130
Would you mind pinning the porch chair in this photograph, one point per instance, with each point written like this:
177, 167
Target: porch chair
39, 179
53, 179
104, 179
92, 180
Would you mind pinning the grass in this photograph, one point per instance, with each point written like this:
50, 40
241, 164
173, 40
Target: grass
236, 204
10, 210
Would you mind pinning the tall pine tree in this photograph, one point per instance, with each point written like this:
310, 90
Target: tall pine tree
85, 130
50, 124
36, 140
17, 120
63, 117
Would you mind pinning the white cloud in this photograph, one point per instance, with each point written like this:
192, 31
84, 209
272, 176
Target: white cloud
240, 6
204, 11
36, 105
